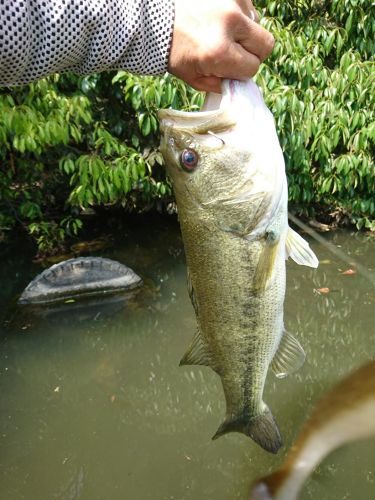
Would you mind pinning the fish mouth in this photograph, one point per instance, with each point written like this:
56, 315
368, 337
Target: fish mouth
219, 112
215, 117
197, 122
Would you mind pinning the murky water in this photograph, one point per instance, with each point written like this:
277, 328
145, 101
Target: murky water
94, 406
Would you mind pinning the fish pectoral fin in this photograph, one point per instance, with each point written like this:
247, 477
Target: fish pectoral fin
299, 250
197, 354
289, 357
265, 266
261, 428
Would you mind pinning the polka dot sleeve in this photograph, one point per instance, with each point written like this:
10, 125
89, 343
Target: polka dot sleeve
40, 37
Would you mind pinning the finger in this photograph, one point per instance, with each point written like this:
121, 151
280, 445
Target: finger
232, 61
248, 9
254, 38
245, 6
239, 64
207, 84
254, 16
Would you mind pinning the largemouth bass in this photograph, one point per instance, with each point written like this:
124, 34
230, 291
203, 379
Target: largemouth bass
228, 176
345, 414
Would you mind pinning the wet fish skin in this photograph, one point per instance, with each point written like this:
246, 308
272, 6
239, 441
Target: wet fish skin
232, 210
344, 414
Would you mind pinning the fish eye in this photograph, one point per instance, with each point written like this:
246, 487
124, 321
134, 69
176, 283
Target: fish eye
189, 159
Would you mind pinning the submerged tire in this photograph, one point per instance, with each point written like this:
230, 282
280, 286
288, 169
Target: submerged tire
80, 277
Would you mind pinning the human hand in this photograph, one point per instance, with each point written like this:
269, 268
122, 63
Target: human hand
216, 39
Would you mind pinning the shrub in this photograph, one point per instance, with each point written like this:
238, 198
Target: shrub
320, 84
68, 143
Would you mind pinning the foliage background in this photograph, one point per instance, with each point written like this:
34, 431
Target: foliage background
69, 143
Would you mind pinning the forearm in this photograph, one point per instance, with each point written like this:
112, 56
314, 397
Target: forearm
41, 37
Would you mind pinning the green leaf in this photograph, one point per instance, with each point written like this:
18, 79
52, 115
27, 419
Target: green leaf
146, 125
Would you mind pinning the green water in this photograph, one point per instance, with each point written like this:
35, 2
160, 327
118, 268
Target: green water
94, 405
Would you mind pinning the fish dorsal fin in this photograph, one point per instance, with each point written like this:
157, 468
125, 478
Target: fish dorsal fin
289, 356
197, 354
299, 250
265, 266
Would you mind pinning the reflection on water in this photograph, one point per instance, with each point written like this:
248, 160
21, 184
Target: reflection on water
96, 407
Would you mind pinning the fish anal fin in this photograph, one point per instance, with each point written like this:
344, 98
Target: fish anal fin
299, 250
265, 266
197, 354
289, 356
261, 428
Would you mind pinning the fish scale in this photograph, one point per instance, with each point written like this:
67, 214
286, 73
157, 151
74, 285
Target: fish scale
232, 203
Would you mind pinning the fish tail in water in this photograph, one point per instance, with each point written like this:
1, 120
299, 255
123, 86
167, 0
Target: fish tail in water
261, 428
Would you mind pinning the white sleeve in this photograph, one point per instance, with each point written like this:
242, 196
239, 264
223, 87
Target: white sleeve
41, 37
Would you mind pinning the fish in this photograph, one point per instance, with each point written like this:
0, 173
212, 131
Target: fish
228, 176
345, 414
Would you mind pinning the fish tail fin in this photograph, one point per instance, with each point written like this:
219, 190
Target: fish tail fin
261, 428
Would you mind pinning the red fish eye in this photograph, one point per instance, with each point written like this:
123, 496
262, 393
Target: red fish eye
189, 159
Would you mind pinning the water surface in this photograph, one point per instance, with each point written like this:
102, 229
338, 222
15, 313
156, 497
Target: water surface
94, 405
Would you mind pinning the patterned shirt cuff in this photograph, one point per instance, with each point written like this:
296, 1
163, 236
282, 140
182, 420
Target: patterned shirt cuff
148, 52
41, 37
